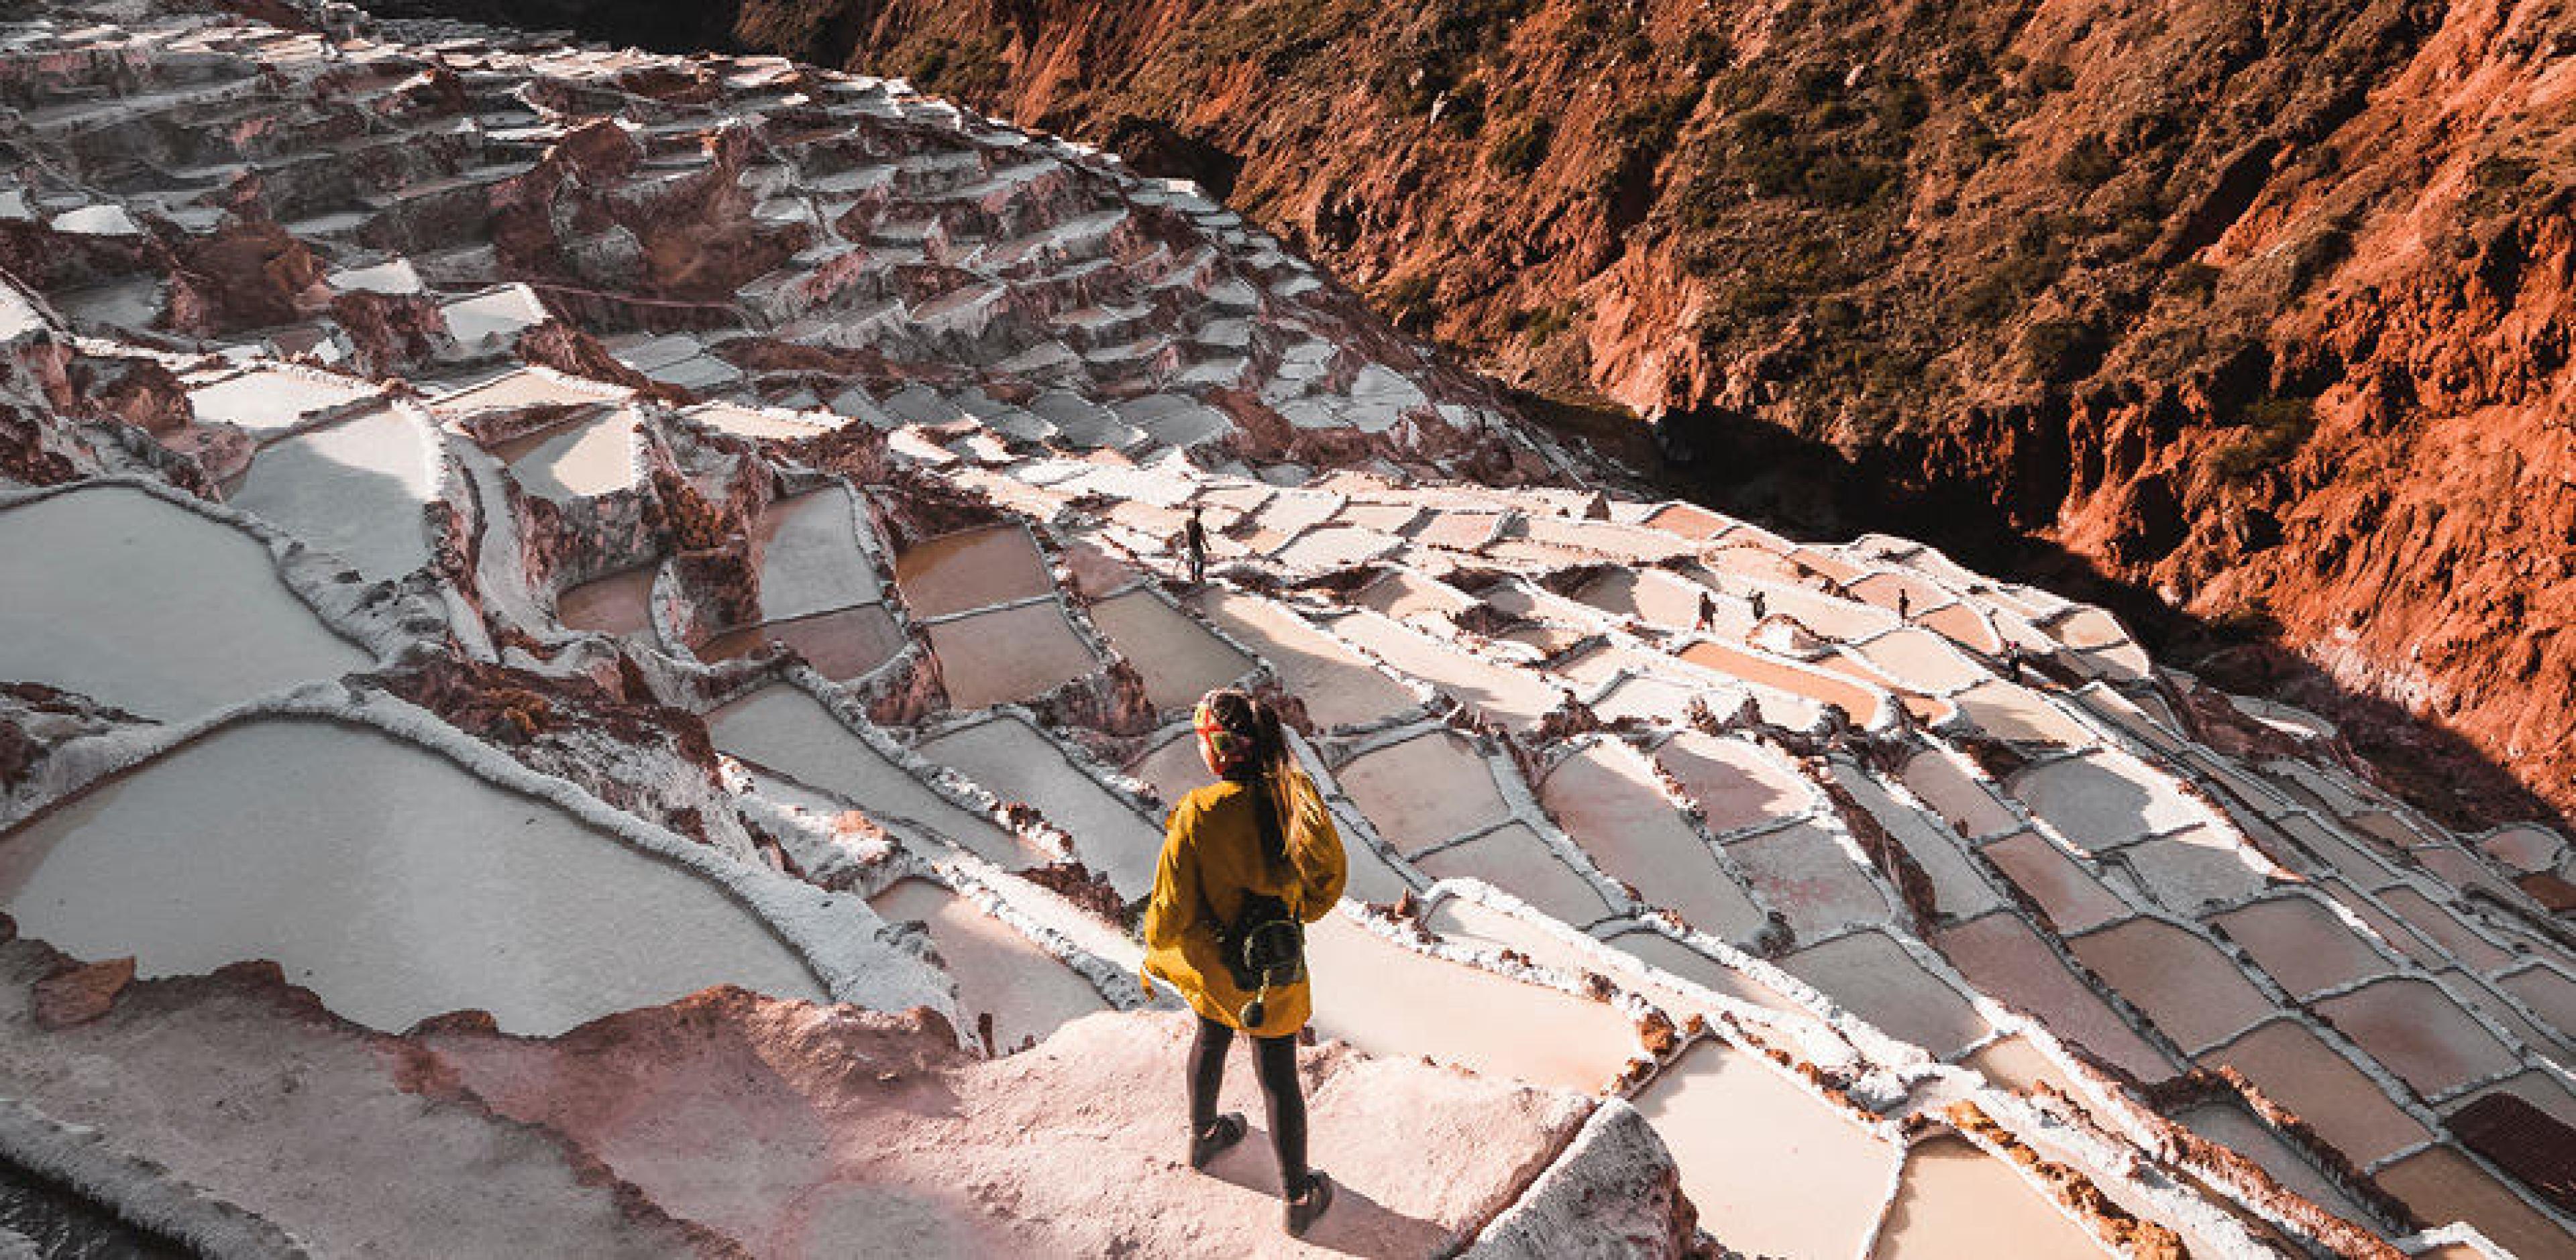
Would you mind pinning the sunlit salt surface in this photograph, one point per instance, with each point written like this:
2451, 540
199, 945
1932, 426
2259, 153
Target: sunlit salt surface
975, 568
1507, 695
2103, 799
2017, 714
583, 459
1870, 974
273, 401
1423, 790
428, 891
1337, 687
194, 618
2293, 1068
785, 730
1958, 889
2013, 1063
1513, 858
1810, 879
1389, 1000
1607, 798
354, 489
1026, 991
1007, 654
1015, 762
810, 560
618, 604
1179, 658
2181, 981
2441, 1184
1956, 1200
1734, 1123
2006, 960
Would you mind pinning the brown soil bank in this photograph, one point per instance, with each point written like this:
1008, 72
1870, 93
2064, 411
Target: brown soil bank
2263, 307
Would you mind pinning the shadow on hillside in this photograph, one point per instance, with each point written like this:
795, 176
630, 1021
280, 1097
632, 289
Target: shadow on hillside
1810, 490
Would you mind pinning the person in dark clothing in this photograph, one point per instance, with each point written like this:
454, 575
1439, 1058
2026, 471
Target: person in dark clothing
1707, 612
1904, 606
1260, 832
1761, 606
1194, 542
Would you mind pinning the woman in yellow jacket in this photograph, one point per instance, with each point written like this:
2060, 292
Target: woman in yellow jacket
1259, 831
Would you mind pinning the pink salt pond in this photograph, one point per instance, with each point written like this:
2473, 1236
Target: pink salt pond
1870, 975
1017, 762
2182, 982
1735, 784
1514, 859
1337, 687
2074, 900
842, 646
1806, 875
1734, 1123
2421, 1035
1389, 1000
1965, 802
1509, 695
1861, 704
583, 459
2301, 943
975, 568
1008, 654
2441, 1184
2005, 959
1423, 790
2291, 1066
619, 604
1956, 1200
1179, 658
1607, 797
1025, 991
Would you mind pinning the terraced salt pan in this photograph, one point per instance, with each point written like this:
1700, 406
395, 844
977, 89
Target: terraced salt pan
1662, 599
842, 646
2198, 866
2013, 1063
2018, 714
269, 401
1956, 1200
1808, 877
1735, 784
1509, 695
1607, 798
1514, 859
355, 490
581, 460
2104, 799
2005, 959
1423, 790
1334, 547
527, 387
1734, 1123
2239, 1130
429, 891
1921, 661
150, 607
1872, 976
2525, 848
811, 560
974, 568
2072, 898
2422, 1036
1389, 1000
1958, 889
1179, 658
2441, 1184
618, 604
2182, 982
2444, 928
1862, 705
2295, 1069
788, 731
1017, 763
1337, 687
1007, 654
2301, 943
1026, 991
1966, 803
2538, 1088
2479, 995
1671, 956
2548, 993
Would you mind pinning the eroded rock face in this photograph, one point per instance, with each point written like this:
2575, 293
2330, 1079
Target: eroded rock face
2246, 305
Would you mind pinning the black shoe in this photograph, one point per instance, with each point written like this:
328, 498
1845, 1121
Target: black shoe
1211, 1142
1304, 1208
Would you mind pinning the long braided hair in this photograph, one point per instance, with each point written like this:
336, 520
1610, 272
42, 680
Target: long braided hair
1240, 736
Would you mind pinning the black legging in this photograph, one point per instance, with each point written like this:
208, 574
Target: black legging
1275, 1065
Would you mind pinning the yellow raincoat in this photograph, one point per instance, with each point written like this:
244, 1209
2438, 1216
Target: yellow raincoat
1211, 859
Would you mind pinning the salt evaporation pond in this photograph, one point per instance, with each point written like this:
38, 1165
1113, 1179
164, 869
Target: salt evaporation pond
1017, 763
1734, 1123
429, 891
1007, 654
580, 460
1608, 799
1389, 1000
842, 646
785, 730
2299, 1071
1424, 789
1956, 1200
618, 604
150, 607
1027, 991
971, 569
354, 489
1338, 688
810, 560
1179, 658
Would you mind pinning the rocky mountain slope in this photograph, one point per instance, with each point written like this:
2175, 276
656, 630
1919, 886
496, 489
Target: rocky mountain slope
2263, 309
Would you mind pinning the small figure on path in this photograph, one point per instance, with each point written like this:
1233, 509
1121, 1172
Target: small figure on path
1761, 606
1194, 543
1707, 612
1904, 606
1247, 862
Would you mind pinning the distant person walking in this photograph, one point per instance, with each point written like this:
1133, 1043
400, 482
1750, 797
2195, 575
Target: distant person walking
1194, 544
1904, 605
1248, 861
1761, 606
1707, 612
